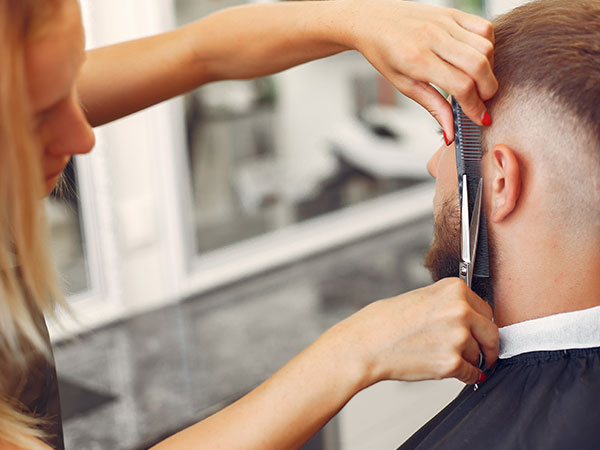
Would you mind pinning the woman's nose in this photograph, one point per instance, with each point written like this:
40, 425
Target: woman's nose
70, 132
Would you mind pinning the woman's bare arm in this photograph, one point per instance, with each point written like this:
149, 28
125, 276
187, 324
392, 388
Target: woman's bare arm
431, 333
409, 43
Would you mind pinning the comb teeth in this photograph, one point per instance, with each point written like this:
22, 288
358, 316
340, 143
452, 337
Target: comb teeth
468, 138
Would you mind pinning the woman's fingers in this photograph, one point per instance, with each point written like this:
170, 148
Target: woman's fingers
486, 334
474, 317
430, 98
478, 43
444, 47
461, 86
471, 352
455, 67
430, 68
475, 64
468, 48
482, 329
462, 366
467, 373
478, 304
466, 368
474, 24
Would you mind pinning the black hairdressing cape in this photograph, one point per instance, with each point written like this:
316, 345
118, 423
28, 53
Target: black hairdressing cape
543, 394
36, 391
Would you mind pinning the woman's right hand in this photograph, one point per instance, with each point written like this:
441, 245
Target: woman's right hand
431, 333
413, 45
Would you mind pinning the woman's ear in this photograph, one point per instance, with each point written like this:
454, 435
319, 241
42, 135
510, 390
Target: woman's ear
505, 182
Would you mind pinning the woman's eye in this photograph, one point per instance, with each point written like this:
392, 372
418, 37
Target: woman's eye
44, 114
41, 116
37, 122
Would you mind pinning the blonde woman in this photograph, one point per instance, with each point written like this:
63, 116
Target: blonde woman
434, 332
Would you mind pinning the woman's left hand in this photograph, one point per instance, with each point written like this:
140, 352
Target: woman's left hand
414, 45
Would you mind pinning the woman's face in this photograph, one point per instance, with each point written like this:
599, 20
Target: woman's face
52, 63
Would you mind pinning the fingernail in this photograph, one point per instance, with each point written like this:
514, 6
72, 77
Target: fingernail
446, 138
486, 119
482, 377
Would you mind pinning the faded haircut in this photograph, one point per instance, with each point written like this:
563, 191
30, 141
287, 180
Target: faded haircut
547, 62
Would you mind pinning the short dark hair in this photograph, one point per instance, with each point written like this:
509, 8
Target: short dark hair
547, 61
552, 46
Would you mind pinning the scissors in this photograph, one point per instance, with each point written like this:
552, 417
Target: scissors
469, 230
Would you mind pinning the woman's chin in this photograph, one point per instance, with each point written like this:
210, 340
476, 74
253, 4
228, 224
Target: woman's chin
51, 183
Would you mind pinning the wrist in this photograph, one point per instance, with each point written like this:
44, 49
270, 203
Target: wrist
334, 23
347, 347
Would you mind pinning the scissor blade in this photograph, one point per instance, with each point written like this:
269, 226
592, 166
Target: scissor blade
474, 229
465, 249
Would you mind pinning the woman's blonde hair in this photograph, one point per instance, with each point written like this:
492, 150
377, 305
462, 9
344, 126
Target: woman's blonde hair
28, 281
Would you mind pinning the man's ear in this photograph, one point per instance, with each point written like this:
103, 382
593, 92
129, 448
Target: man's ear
505, 182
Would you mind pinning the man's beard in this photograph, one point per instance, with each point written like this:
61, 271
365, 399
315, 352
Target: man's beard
443, 257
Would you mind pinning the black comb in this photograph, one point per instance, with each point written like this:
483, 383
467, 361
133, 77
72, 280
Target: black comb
467, 140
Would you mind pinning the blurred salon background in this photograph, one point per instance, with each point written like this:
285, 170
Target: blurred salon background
209, 239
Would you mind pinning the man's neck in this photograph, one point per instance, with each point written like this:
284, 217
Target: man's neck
547, 279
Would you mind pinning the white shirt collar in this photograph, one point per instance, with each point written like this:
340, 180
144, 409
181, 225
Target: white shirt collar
576, 329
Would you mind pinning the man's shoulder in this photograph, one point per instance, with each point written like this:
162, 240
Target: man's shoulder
544, 399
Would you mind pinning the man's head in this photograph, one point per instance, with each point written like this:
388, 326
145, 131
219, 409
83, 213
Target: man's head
542, 153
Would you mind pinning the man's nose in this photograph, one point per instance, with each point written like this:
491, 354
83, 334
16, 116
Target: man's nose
433, 163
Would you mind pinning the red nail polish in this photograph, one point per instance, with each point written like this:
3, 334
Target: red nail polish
486, 119
482, 377
446, 138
